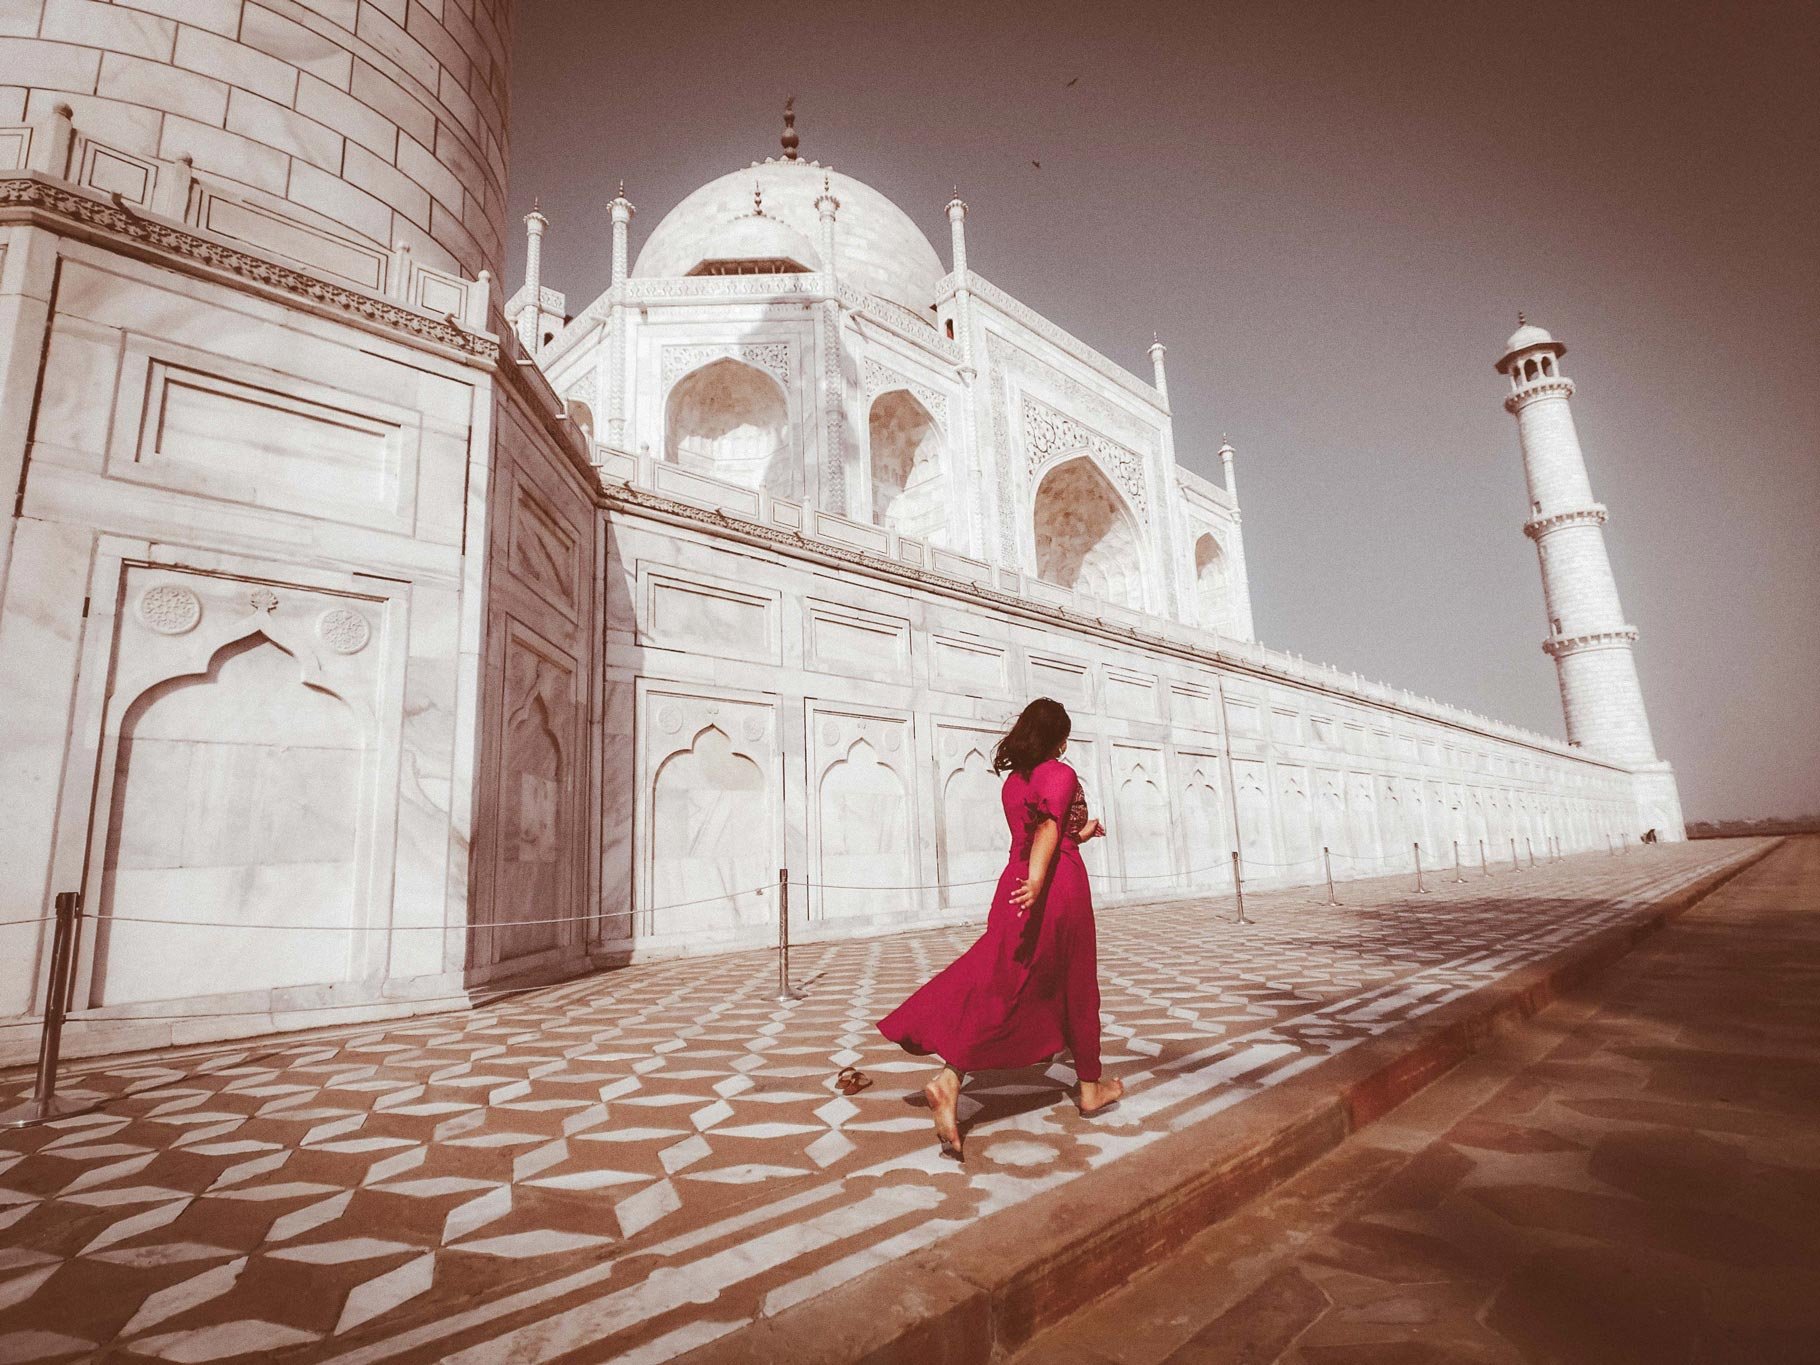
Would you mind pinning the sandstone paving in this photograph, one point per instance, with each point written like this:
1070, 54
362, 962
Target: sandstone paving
1632, 1176
637, 1164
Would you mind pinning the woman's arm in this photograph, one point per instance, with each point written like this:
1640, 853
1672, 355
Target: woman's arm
1042, 852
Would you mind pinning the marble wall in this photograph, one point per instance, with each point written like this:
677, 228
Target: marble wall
774, 700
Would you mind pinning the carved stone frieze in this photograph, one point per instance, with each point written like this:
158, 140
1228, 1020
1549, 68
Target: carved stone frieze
1050, 435
773, 357
879, 380
27, 192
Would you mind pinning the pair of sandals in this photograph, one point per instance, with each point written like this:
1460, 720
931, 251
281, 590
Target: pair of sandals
851, 1080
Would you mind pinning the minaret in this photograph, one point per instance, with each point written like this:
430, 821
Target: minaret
530, 318
826, 207
1227, 455
622, 211
963, 293
1588, 637
1157, 350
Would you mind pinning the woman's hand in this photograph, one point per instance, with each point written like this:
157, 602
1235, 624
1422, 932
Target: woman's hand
1026, 892
1093, 829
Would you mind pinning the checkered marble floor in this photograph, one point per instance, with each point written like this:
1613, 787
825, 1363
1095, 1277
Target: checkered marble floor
631, 1165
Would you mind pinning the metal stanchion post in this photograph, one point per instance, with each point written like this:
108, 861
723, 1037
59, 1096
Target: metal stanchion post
1327, 861
1484, 866
1420, 889
1610, 852
783, 937
1238, 886
1515, 865
1458, 875
44, 1104
1530, 844
1624, 847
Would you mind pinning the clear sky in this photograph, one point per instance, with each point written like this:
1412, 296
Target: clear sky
1331, 214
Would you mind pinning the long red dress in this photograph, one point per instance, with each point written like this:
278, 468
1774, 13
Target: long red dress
1030, 986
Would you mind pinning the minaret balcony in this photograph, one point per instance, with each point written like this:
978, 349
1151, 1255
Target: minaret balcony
1557, 387
1537, 527
1560, 646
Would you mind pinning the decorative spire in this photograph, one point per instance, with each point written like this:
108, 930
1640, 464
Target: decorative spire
790, 139
1521, 320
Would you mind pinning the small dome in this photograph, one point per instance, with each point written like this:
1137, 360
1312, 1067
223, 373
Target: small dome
876, 246
1527, 335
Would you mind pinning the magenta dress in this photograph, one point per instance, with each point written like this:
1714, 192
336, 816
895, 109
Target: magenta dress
1030, 986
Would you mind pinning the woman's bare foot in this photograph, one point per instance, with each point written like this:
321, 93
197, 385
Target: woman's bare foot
1098, 1095
944, 1096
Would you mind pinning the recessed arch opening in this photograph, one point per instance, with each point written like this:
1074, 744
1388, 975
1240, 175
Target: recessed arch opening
729, 420
1086, 537
908, 467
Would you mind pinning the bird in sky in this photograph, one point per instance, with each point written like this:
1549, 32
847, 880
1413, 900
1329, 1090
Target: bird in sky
1071, 84
1037, 164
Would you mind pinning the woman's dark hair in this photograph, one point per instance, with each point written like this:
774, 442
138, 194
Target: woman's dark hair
1039, 732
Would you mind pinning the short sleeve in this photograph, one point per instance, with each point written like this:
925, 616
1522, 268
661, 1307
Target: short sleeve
1052, 790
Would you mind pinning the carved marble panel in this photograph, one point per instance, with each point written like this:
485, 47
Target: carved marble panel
708, 616
234, 824
1129, 694
972, 840
970, 665
537, 837
1206, 826
1362, 824
1295, 806
1069, 681
542, 551
1143, 818
864, 833
845, 640
1257, 845
712, 832
1194, 706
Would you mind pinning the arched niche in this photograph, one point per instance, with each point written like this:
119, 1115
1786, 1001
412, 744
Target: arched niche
973, 836
235, 804
711, 835
1086, 538
1211, 586
864, 826
729, 420
907, 466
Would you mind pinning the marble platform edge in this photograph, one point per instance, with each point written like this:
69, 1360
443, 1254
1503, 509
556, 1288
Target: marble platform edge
987, 1290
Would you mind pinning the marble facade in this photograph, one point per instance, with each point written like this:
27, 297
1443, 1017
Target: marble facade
367, 639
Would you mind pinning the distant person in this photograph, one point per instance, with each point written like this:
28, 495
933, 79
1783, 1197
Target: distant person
1030, 986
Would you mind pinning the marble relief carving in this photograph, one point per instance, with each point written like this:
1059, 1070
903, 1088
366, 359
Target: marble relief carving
773, 357
711, 837
536, 833
236, 777
1206, 826
865, 821
971, 837
1142, 813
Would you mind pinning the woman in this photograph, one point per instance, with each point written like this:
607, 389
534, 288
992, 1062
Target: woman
1030, 986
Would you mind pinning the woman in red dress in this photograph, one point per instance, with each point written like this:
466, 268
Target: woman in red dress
1030, 986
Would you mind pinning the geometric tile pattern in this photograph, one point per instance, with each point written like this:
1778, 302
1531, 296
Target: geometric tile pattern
631, 1165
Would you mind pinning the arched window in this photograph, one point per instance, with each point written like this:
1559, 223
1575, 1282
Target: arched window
729, 420
907, 479
1210, 582
1529, 368
1085, 537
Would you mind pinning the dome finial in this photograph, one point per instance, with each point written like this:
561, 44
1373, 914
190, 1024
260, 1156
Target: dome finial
790, 139
758, 198
1521, 320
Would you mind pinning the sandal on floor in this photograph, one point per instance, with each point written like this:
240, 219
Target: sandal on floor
851, 1080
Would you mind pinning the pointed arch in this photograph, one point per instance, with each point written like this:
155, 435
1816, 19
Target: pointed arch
1212, 583
908, 464
731, 421
1086, 535
236, 797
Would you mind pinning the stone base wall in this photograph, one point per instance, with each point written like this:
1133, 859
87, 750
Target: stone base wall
774, 700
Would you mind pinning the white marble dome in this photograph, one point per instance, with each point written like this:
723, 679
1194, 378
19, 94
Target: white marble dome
1527, 335
876, 246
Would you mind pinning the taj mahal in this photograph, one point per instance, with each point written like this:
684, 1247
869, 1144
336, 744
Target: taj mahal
373, 634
